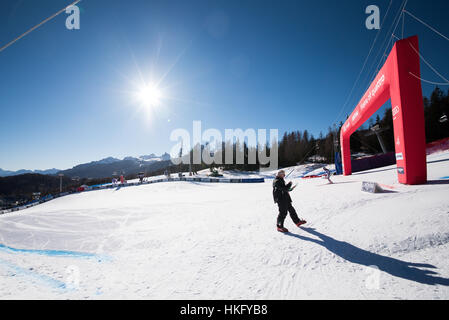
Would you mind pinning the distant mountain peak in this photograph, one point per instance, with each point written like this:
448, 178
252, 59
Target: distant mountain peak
107, 160
147, 157
152, 157
101, 168
8, 173
130, 158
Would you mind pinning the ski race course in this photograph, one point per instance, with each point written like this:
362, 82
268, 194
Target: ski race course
194, 240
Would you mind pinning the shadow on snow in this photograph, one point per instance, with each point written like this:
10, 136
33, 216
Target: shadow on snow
395, 267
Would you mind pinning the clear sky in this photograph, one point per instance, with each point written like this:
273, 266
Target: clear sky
68, 96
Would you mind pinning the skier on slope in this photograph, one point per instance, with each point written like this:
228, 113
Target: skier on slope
282, 198
327, 175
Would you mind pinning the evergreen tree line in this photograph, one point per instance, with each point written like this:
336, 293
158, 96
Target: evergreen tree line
300, 146
436, 110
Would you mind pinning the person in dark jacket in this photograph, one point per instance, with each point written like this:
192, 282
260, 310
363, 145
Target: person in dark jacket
284, 201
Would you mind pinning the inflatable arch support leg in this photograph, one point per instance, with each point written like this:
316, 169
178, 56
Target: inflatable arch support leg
394, 81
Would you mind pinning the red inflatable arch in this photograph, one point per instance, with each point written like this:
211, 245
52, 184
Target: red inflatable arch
396, 82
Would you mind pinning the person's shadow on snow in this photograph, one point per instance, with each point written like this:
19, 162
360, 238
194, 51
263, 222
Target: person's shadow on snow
395, 267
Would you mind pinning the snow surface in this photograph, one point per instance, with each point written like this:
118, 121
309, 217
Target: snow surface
192, 240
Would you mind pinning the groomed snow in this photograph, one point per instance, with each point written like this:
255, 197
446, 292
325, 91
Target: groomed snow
191, 240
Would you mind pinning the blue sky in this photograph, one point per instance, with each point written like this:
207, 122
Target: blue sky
67, 96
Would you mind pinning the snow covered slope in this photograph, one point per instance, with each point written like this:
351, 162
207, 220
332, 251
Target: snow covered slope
189, 240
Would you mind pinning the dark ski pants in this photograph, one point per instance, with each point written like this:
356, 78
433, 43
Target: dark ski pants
283, 209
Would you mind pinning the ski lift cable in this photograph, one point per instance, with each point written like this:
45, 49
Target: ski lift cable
403, 23
428, 26
395, 23
36, 26
380, 50
388, 37
371, 78
380, 60
396, 20
428, 64
364, 143
364, 64
430, 82
361, 70
313, 148
375, 71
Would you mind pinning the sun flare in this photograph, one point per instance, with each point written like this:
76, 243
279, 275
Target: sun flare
150, 95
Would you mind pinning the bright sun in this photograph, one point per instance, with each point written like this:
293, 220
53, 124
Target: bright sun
150, 95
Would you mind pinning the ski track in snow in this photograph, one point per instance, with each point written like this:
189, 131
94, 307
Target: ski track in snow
181, 240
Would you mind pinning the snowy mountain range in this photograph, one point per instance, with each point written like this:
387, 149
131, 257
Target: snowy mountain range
147, 158
129, 165
102, 168
7, 173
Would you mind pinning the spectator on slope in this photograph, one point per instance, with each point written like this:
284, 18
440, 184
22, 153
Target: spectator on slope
141, 175
282, 198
